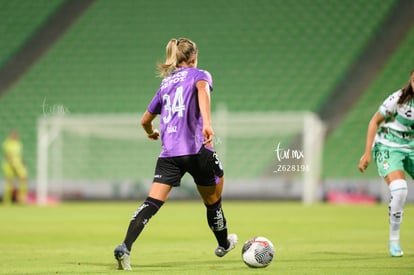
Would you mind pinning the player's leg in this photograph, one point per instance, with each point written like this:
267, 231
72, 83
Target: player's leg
167, 171
391, 165
8, 184
208, 175
156, 198
398, 191
22, 187
215, 217
8, 191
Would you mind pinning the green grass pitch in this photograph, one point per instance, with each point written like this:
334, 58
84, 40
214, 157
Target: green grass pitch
79, 238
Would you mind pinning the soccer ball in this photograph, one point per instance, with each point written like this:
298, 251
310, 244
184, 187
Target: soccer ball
258, 252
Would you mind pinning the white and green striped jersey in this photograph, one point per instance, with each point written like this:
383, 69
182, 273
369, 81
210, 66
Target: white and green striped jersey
399, 122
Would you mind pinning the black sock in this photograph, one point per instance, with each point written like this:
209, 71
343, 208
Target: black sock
217, 223
140, 218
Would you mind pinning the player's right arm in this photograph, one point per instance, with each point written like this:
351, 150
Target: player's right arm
146, 123
373, 125
203, 89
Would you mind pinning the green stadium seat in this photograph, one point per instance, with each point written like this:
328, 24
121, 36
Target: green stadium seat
272, 56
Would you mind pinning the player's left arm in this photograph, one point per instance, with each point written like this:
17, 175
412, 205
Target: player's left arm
146, 123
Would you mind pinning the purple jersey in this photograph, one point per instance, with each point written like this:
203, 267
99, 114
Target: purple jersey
176, 101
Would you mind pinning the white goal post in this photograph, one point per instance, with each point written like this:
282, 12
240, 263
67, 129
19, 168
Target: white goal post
266, 155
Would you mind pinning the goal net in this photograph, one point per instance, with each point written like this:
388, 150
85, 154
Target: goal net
266, 155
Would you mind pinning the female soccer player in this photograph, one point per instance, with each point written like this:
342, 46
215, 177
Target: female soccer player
390, 140
14, 169
183, 103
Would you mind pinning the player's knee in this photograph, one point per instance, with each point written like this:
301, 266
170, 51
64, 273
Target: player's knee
211, 199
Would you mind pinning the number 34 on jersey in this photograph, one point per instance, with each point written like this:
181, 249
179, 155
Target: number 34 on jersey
177, 105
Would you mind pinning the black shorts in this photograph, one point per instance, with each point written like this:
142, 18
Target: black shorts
205, 168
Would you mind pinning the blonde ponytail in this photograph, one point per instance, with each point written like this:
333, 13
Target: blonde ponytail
176, 51
171, 58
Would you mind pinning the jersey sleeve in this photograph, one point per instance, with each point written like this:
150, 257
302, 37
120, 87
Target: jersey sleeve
155, 106
389, 107
204, 75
